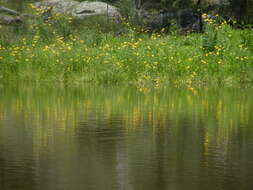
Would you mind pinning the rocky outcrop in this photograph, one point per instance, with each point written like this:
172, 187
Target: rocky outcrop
80, 9
7, 20
6, 10
95, 8
9, 16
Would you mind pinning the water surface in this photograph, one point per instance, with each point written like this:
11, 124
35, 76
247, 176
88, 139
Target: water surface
95, 137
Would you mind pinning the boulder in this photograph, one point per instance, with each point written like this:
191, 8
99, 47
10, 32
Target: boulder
85, 9
9, 16
57, 6
6, 10
80, 9
7, 20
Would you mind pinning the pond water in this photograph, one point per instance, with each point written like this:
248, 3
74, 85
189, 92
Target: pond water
97, 137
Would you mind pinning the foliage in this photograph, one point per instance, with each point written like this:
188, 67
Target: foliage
68, 50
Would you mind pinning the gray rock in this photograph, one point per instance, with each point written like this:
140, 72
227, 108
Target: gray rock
7, 20
80, 9
57, 6
85, 9
8, 11
9, 16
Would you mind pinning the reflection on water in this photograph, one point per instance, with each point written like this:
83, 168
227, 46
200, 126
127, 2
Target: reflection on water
59, 138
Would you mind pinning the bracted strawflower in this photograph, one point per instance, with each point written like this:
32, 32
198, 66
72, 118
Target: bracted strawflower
163, 30
45, 48
193, 74
204, 62
241, 46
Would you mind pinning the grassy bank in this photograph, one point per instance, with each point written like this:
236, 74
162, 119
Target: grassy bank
65, 52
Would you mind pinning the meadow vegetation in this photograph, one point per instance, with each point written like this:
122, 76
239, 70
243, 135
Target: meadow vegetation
63, 49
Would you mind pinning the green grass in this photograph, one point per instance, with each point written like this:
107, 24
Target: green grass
66, 50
